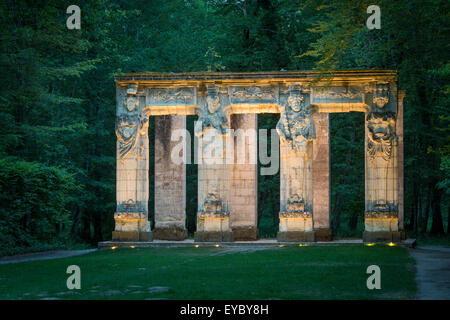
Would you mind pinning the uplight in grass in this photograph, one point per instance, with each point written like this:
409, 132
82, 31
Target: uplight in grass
113, 248
369, 244
216, 246
281, 245
302, 245
132, 247
197, 246
391, 244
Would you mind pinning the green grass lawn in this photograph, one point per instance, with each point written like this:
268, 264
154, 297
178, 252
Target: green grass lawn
312, 272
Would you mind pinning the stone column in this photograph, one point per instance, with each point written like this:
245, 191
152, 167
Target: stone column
321, 177
296, 130
131, 216
381, 165
211, 130
401, 194
170, 180
243, 177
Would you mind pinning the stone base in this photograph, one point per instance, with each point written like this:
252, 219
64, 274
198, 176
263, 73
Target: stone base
382, 236
131, 236
323, 234
174, 234
296, 236
213, 236
245, 233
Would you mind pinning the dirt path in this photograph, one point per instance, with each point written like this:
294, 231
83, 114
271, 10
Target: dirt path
433, 272
43, 255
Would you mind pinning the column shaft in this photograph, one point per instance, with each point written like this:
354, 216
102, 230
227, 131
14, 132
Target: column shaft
244, 178
170, 179
321, 177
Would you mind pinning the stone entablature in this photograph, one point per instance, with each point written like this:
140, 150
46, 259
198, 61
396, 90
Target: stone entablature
299, 98
255, 92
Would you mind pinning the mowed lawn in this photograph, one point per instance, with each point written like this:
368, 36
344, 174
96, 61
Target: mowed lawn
312, 272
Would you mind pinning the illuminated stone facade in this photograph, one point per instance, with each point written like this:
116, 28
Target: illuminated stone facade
226, 103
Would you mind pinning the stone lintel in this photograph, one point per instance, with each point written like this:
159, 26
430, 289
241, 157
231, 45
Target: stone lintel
338, 76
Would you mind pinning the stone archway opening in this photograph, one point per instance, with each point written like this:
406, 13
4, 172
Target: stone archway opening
347, 174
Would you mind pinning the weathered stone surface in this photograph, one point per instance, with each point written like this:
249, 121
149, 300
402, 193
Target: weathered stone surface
381, 161
297, 131
321, 172
323, 234
243, 177
213, 177
294, 236
132, 164
170, 179
227, 194
245, 233
131, 236
213, 236
382, 236
171, 233
400, 159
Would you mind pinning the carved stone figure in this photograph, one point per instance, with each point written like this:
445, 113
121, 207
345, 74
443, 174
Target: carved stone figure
296, 125
131, 103
128, 129
253, 93
381, 134
381, 178
381, 94
212, 117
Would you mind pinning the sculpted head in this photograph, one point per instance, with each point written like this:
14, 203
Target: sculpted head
296, 101
213, 103
381, 126
381, 94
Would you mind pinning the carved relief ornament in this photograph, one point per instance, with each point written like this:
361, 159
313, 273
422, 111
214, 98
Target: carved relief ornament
381, 134
296, 125
128, 130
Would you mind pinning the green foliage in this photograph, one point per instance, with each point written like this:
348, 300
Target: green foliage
34, 200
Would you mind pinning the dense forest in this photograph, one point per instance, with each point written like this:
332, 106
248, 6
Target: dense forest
57, 100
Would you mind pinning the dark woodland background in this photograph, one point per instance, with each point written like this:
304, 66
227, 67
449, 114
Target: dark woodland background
57, 101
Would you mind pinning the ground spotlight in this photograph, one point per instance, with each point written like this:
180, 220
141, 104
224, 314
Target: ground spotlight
391, 244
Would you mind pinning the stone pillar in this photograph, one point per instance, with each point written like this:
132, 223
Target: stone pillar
321, 177
211, 130
131, 216
296, 130
243, 177
170, 180
401, 194
381, 165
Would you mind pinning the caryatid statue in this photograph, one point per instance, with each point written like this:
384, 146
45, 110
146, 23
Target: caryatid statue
381, 138
296, 129
211, 129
